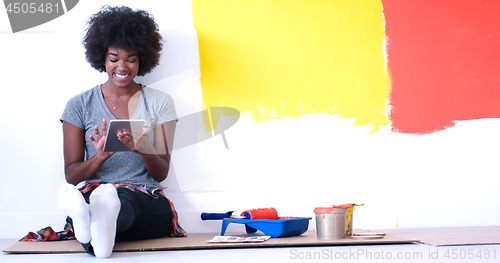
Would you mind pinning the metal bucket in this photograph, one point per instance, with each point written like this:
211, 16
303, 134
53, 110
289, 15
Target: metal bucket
331, 223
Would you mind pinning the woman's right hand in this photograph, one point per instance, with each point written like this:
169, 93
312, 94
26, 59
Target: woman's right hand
76, 167
98, 141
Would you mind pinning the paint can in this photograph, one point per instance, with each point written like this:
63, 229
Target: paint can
330, 222
348, 219
349, 216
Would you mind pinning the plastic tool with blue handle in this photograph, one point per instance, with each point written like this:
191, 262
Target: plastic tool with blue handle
220, 216
261, 213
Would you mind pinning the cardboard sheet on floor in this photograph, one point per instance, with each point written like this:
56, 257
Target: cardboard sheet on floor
199, 241
450, 236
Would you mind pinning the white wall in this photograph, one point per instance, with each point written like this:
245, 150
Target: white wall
448, 178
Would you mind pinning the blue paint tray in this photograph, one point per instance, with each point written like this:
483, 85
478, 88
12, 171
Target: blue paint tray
281, 227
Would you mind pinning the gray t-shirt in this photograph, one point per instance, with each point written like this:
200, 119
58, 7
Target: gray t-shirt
88, 109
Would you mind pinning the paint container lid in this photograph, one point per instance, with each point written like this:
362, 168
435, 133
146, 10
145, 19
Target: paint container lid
343, 206
330, 210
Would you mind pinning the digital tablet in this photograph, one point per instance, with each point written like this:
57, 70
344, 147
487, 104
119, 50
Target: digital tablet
112, 144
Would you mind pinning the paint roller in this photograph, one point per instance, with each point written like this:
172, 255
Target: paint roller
260, 213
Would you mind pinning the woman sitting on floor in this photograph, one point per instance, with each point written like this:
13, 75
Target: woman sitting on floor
122, 196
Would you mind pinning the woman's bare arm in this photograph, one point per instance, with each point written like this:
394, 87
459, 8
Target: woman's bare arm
76, 169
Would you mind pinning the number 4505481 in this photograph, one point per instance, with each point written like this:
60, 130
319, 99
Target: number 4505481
32, 8
470, 254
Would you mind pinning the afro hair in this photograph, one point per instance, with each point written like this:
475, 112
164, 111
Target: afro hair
124, 28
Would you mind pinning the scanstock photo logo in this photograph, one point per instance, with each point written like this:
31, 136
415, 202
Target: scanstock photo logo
25, 14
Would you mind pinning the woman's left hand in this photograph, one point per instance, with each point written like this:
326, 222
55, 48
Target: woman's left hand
138, 143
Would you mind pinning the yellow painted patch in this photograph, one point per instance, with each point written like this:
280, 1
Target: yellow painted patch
270, 59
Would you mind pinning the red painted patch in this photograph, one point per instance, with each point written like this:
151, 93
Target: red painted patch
444, 61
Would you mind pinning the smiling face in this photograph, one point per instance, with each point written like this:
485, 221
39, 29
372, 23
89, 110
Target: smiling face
122, 66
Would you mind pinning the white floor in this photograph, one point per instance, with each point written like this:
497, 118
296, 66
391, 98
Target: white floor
374, 253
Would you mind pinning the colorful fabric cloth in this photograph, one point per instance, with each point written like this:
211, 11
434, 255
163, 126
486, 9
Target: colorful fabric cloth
48, 234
